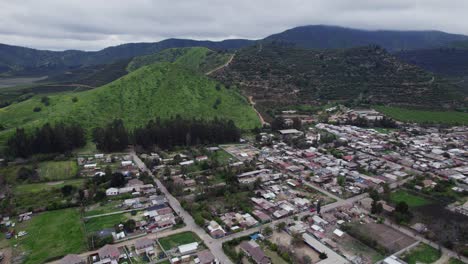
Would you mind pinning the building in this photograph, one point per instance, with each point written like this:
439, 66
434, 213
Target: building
188, 248
144, 246
393, 260
252, 249
205, 257
109, 253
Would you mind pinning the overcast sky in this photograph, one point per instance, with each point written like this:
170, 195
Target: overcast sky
95, 24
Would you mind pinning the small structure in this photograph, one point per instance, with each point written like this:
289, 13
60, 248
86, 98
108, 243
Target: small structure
205, 257
188, 248
144, 246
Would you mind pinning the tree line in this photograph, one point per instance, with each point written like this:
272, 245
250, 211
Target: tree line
58, 138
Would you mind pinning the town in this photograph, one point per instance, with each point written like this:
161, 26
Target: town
309, 193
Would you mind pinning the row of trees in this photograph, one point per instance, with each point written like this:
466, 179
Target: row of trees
186, 132
59, 138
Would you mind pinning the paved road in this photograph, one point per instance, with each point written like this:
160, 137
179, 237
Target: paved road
213, 244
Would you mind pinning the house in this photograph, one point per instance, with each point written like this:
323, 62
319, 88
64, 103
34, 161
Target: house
205, 257
112, 192
216, 231
72, 259
253, 250
109, 252
144, 246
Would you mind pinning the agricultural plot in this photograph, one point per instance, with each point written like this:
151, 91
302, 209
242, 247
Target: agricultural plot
51, 235
419, 116
45, 186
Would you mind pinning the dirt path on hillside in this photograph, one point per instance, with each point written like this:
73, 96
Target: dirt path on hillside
252, 103
222, 66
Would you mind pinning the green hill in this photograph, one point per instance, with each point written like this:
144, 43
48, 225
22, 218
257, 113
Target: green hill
159, 90
197, 58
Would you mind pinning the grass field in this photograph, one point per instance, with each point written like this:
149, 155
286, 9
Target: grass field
454, 261
420, 116
423, 253
98, 223
58, 170
52, 234
45, 186
411, 199
160, 90
107, 207
178, 239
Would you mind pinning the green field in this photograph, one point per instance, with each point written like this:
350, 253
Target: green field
45, 186
52, 234
58, 170
454, 261
161, 90
420, 116
98, 223
423, 253
411, 199
178, 239
106, 207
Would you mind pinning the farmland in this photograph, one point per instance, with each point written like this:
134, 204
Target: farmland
52, 234
421, 116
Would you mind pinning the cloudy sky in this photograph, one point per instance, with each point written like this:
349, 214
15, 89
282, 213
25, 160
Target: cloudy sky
95, 24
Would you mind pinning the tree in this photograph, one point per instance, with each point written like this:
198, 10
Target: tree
267, 231
341, 180
117, 180
296, 239
129, 226
376, 207
67, 190
281, 226
306, 259
297, 124
323, 255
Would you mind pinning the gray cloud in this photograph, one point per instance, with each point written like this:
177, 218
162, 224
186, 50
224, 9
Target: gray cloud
95, 24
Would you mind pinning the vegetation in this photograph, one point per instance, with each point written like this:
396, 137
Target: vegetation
196, 58
425, 117
411, 199
58, 170
178, 239
278, 74
48, 139
161, 90
423, 253
109, 221
51, 235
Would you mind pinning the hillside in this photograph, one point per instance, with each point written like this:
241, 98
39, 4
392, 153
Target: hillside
332, 37
197, 58
159, 90
278, 75
446, 61
16, 60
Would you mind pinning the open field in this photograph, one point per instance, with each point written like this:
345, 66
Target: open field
411, 199
96, 224
178, 239
45, 186
380, 237
58, 170
352, 246
420, 116
10, 82
51, 235
423, 253
103, 208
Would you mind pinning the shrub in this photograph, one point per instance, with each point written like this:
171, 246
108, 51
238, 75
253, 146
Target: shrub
37, 109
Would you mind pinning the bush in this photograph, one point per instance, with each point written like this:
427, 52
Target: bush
37, 109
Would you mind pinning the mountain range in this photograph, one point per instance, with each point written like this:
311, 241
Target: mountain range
16, 60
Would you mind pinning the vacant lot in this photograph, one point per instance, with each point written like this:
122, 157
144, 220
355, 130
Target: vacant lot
57, 170
178, 239
419, 116
46, 186
99, 223
353, 247
423, 253
387, 238
52, 234
411, 199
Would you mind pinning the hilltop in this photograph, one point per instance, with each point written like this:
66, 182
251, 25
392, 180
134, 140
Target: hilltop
281, 75
200, 59
158, 90
333, 37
